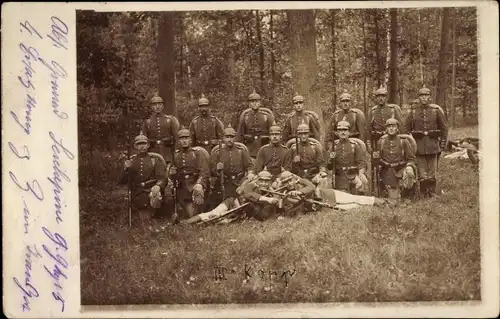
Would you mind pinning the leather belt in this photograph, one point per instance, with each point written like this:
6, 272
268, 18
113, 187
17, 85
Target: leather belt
392, 164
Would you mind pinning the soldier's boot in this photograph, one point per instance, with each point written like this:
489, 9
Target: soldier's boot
423, 188
431, 189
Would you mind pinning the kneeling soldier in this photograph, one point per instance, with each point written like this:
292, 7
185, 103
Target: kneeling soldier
348, 162
396, 158
190, 172
147, 173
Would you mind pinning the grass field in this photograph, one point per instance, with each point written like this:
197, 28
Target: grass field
426, 251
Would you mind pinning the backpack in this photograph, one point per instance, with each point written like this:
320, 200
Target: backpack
263, 110
312, 141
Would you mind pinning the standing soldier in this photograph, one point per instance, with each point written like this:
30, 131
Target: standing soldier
299, 115
307, 156
147, 173
274, 156
427, 124
396, 157
206, 129
353, 116
377, 117
348, 162
161, 130
254, 124
190, 170
229, 164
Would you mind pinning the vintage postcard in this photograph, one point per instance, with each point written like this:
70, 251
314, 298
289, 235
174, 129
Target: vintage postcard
250, 159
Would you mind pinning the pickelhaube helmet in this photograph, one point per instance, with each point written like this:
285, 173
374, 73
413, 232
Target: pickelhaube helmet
285, 174
141, 138
203, 100
275, 128
303, 128
343, 125
183, 132
264, 175
381, 91
156, 99
391, 121
424, 91
345, 96
254, 96
298, 98
229, 131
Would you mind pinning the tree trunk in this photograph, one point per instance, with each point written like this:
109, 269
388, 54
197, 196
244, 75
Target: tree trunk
231, 58
377, 47
304, 60
453, 71
181, 49
388, 50
419, 39
166, 59
393, 89
365, 66
273, 59
443, 59
261, 52
334, 57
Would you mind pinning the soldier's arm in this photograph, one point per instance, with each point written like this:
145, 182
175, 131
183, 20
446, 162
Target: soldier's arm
219, 126
409, 153
214, 159
174, 128
270, 120
240, 132
144, 128
287, 160
250, 192
360, 159
361, 124
204, 166
320, 159
442, 125
329, 133
286, 130
315, 129
379, 146
247, 162
160, 171
193, 132
368, 128
307, 187
398, 114
408, 123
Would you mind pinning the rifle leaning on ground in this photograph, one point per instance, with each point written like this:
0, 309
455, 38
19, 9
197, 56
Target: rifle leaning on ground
221, 173
175, 186
307, 200
375, 171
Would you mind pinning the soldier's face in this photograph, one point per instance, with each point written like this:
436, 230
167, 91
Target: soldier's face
264, 183
303, 137
424, 98
157, 107
343, 133
229, 140
345, 104
299, 106
255, 104
381, 99
392, 129
142, 147
275, 138
203, 109
185, 141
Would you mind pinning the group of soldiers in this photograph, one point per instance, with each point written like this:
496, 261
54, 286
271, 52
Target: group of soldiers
208, 171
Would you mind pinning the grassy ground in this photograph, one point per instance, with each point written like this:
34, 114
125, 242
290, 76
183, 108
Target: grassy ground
428, 250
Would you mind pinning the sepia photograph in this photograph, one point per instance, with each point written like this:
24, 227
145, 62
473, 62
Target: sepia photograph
278, 156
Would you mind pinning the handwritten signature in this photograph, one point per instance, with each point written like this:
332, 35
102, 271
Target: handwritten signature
269, 275
28, 289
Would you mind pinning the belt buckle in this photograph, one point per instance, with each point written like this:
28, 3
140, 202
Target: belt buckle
233, 177
305, 171
143, 184
205, 142
426, 133
255, 137
158, 142
186, 176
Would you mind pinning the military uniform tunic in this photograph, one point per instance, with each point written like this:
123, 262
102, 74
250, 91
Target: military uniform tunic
192, 168
161, 131
427, 124
206, 131
146, 171
395, 154
376, 118
253, 130
356, 119
311, 162
349, 159
291, 124
273, 158
236, 163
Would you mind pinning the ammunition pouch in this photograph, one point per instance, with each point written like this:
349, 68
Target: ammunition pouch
422, 134
396, 166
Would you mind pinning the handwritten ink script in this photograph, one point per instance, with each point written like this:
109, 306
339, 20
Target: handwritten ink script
36, 137
248, 272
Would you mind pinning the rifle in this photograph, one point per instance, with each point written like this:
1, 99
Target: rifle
375, 172
307, 200
221, 173
175, 186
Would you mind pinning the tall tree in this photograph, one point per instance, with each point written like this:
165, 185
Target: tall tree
377, 46
262, 66
273, 57
333, 23
443, 59
365, 66
166, 59
453, 70
302, 33
393, 87
231, 58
